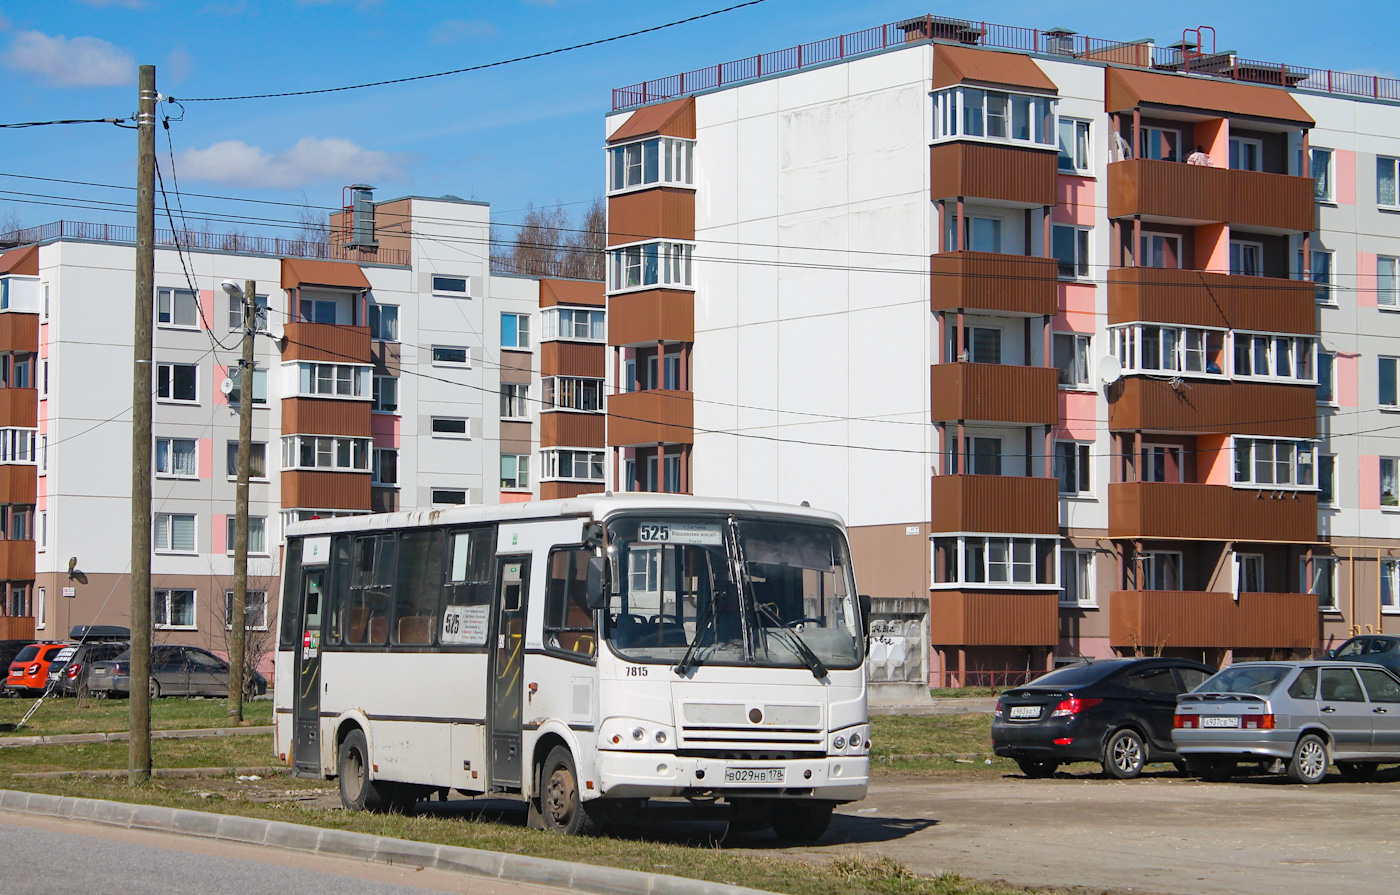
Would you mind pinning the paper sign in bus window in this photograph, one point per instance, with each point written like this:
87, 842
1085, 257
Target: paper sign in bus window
466, 625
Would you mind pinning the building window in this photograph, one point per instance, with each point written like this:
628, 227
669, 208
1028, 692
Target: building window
1169, 349
979, 234
1322, 582
1326, 476
334, 380
1326, 371
648, 264
43, 529
1389, 495
1072, 467
257, 460
1077, 578
178, 382
1072, 360
257, 535
1161, 144
1322, 174
515, 331
1249, 573
1074, 146
671, 474
177, 307
174, 533
1246, 258
173, 609
17, 445
1246, 154
449, 497
1385, 182
254, 610
981, 344
385, 395
1160, 250
177, 457
450, 426
1387, 283
451, 356
515, 471
514, 401
16, 370
1261, 356
999, 561
574, 324
1161, 570
572, 393
452, 287
321, 311
15, 522
384, 322
994, 115
1321, 275
1274, 463
586, 466
1386, 396
40, 597
667, 160
235, 313
325, 452
983, 456
1071, 250
259, 387
386, 467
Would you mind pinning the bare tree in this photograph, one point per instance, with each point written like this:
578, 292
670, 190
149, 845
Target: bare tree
9, 227
314, 229
259, 631
549, 243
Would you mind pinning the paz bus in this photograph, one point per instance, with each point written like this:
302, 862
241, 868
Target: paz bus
588, 655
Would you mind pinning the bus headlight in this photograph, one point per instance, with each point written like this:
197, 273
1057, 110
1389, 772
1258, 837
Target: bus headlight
661, 737
638, 734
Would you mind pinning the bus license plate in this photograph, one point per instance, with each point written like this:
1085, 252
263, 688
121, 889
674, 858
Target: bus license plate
753, 775
1220, 722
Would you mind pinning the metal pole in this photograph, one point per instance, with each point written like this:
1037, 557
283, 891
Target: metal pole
139, 707
236, 646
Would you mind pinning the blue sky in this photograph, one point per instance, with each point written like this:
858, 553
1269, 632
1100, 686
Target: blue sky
529, 132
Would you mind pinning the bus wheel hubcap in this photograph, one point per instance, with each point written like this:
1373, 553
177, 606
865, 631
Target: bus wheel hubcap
561, 796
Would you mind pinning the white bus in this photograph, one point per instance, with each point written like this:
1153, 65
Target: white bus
587, 654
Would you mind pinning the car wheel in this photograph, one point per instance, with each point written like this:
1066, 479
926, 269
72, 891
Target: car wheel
1309, 762
154, 689
1038, 769
357, 791
800, 821
562, 809
1125, 755
1358, 771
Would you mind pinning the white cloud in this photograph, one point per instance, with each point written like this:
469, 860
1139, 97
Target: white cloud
71, 62
311, 160
177, 66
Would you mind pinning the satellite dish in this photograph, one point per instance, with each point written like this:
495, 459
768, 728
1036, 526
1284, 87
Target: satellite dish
1110, 369
276, 330
226, 386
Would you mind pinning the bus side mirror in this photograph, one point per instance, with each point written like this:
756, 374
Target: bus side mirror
864, 601
597, 582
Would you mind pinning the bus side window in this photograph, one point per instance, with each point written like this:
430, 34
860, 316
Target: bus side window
568, 622
291, 596
416, 586
370, 590
338, 595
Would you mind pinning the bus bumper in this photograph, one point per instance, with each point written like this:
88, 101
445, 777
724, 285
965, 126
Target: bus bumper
658, 774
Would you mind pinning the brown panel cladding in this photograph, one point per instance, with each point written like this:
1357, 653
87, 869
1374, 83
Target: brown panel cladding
516, 366
994, 392
1239, 408
393, 225
1200, 298
996, 503
890, 561
636, 318
19, 407
314, 490
572, 292
954, 65
17, 560
386, 357
573, 359
1174, 190
383, 500
992, 171
19, 483
1164, 618
1210, 513
566, 429
325, 416
658, 416
308, 272
993, 618
22, 262
328, 343
16, 627
19, 332
664, 213
515, 438
557, 490
1124, 89
673, 119
985, 281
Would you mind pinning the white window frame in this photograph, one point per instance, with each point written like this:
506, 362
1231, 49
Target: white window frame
376, 397
466, 432
232, 475
167, 295
169, 471
651, 264
1301, 350
1387, 296
1393, 363
1177, 348
560, 324
568, 394
1310, 586
1330, 462
1390, 586
1081, 152
235, 313
1240, 246
1149, 130
1328, 360
446, 290
464, 364
169, 540
230, 531
40, 607
515, 401
522, 331
989, 544
1250, 453
17, 446
314, 379
627, 164
377, 468
170, 378
1322, 282
326, 446
1394, 164
1254, 143
1150, 561
248, 600
1243, 564
1328, 195
595, 459
1070, 559
235, 397
1394, 464
520, 477
1080, 375
162, 598
1083, 467
381, 311
954, 111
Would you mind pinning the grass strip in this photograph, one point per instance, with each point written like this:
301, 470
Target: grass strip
67, 715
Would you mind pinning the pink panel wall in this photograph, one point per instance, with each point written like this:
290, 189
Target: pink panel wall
516, 497
1088, 647
43, 340
1078, 415
1077, 297
1213, 247
206, 308
1344, 375
1369, 474
1076, 201
1365, 279
385, 429
220, 534
1214, 460
1213, 137
206, 458
1344, 176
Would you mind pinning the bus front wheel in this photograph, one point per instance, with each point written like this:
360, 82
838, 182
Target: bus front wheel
562, 809
357, 791
800, 821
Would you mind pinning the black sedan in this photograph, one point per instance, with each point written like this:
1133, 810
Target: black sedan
1117, 712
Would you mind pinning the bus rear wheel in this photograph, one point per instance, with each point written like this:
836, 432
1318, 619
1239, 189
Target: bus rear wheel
800, 821
562, 809
357, 791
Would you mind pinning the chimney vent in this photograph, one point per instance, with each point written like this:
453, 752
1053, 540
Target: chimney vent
362, 217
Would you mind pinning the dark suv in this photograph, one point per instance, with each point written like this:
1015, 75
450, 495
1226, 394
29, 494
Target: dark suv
1378, 649
68, 673
1117, 712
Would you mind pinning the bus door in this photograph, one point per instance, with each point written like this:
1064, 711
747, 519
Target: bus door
507, 670
306, 704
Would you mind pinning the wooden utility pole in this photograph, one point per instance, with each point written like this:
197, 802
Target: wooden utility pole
236, 648
139, 754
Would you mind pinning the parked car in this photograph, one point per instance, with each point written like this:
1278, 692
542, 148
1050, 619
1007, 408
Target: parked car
1117, 712
1293, 717
175, 671
71, 668
29, 672
1378, 649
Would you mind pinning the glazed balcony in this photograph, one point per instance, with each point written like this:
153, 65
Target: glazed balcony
987, 281
995, 504
1153, 619
656, 416
1202, 406
1149, 510
993, 618
1203, 298
997, 171
1196, 194
995, 393
327, 343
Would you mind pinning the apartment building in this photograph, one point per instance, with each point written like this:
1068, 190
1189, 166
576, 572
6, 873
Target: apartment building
394, 371
1094, 344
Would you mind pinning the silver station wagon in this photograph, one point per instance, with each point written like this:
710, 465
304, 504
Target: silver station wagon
1293, 717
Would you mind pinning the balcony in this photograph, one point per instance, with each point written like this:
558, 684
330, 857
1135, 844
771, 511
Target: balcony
999, 504
558, 358
987, 281
998, 171
572, 429
16, 560
327, 343
19, 483
558, 490
326, 416
16, 627
1151, 510
657, 416
1202, 298
663, 211
1155, 619
993, 618
1201, 406
655, 315
1195, 194
326, 490
19, 332
995, 393
19, 407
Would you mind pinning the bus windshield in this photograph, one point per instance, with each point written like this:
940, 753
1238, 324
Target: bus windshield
732, 590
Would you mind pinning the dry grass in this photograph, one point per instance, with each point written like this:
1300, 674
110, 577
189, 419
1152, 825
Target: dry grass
60, 715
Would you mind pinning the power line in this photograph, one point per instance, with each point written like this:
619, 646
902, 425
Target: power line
119, 122
471, 68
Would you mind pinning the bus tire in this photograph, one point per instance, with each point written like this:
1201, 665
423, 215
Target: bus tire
562, 809
357, 791
800, 821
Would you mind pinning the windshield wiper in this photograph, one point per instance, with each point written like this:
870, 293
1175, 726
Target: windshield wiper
795, 642
688, 660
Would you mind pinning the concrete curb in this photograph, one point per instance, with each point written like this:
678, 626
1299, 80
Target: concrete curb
121, 736
362, 846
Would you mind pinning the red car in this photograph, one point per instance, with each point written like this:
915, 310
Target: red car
29, 672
